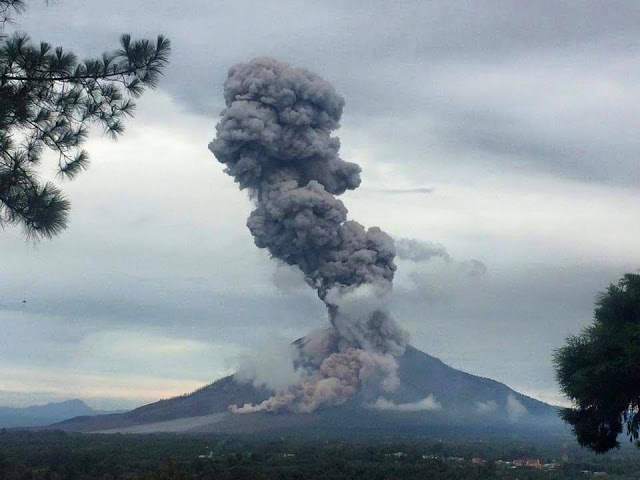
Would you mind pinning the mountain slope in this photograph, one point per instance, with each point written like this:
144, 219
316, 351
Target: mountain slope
457, 399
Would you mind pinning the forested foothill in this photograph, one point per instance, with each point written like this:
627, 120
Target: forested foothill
57, 455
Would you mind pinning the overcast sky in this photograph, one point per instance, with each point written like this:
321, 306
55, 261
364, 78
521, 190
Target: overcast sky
504, 131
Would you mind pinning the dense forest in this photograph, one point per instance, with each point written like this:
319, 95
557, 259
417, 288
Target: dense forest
26, 455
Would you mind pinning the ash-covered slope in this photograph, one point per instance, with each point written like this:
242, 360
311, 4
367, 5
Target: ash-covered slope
455, 398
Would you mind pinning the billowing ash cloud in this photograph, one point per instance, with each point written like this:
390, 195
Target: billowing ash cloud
339, 377
428, 403
275, 139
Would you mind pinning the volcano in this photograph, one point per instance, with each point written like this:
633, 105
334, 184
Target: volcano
432, 397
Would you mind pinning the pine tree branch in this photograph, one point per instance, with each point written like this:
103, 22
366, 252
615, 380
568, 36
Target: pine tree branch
70, 78
50, 97
61, 149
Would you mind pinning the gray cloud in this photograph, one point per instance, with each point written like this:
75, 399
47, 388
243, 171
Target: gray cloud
487, 407
559, 74
426, 404
515, 409
508, 322
433, 275
419, 251
404, 191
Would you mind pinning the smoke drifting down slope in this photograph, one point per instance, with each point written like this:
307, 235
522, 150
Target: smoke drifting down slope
274, 137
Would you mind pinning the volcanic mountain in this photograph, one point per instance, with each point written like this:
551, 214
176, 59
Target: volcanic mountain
431, 396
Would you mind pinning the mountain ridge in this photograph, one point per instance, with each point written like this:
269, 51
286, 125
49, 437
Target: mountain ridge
45, 414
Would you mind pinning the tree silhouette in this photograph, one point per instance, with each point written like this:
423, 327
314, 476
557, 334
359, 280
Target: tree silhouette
599, 369
49, 100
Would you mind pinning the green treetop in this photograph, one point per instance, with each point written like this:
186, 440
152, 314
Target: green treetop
599, 369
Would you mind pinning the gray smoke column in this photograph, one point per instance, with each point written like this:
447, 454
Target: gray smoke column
275, 139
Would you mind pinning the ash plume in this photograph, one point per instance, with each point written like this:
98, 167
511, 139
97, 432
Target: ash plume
275, 139
339, 377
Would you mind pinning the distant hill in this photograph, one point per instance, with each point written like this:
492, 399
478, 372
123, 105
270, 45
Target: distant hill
40, 415
432, 395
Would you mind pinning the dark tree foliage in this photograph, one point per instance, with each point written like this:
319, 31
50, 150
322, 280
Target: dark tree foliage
49, 100
55, 455
599, 369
